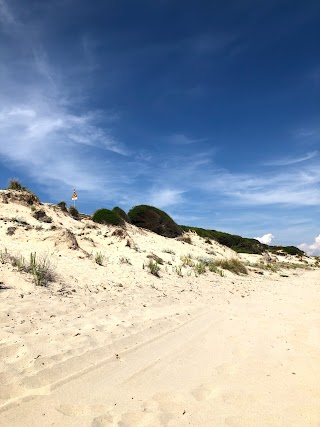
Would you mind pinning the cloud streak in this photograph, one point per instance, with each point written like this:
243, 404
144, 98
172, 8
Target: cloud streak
292, 160
182, 139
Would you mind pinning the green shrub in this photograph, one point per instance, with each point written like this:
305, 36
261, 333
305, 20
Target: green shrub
186, 239
169, 251
233, 265
122, 214
156, 258
74, 212
18, 262
153, 267
214, 269
290, 250
205, 261
178, 270
240, 244
124, 260
14, 184
41, 216
200, 268
105, 216
237, 243
99, 258
63, 206
187, 260
155, 220
272, 267
41, 270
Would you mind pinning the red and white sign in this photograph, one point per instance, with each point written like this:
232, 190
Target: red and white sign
74, 195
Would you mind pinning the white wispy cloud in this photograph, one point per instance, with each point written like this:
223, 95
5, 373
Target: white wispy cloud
182, 139
313, 248
292, 160
307, 133
265, 239
296, 187
165, 197
47, 134
6, 17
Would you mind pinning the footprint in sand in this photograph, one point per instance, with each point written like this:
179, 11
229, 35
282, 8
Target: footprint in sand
83, 410
105, 420
140, 418
205, 392
161, 410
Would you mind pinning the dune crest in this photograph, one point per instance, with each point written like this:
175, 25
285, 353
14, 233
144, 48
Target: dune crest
170, 323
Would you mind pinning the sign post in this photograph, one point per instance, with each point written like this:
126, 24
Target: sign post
74, 197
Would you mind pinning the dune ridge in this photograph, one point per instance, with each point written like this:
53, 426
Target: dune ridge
95, 315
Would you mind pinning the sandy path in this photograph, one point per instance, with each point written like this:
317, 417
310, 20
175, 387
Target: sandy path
254, 361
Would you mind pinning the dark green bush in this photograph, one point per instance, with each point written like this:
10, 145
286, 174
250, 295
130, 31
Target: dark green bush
106, 216
74, 212
122, 213
40, 215
241, 244
237, 243
155, 220
290, 250
63, 206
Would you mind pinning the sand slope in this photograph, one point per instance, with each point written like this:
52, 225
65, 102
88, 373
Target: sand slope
113, 345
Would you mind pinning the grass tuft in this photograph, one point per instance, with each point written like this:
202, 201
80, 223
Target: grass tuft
124, 260
153, 267
187, 260
233, 265
200, 267
41, 270
99, 258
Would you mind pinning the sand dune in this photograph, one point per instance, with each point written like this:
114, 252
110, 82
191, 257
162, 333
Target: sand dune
113, 345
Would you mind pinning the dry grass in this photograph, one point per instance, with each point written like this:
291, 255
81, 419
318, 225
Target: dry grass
233, 265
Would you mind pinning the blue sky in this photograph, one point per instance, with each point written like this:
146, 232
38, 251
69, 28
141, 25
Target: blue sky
207, 109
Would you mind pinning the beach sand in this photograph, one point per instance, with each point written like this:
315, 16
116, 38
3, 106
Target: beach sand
113, 345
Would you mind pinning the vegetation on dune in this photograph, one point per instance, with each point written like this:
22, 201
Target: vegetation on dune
63, 206
122, 214
74, 212
99, 258
237, 243
153, 268
241, 244
155, 220
290, 250
14, 184
161, 223
106, 216
234, 265
200, 267
40, 268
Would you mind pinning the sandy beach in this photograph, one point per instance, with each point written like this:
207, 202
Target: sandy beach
114, 345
